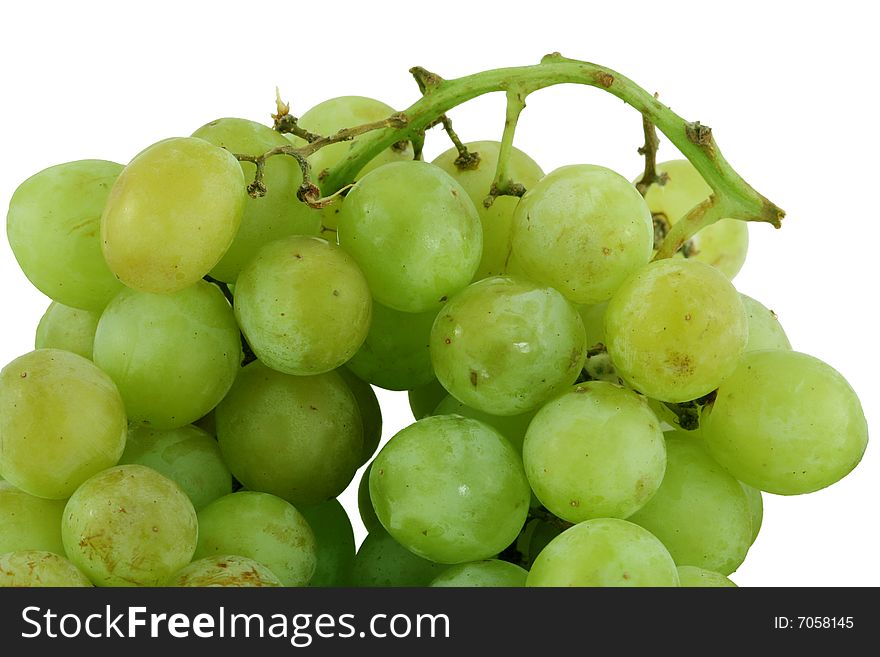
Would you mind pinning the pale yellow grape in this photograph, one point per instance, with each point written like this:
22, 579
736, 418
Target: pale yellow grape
488, 573
725, 243
765, 331
504, 345
303, 304
676, 329
70, 329
786, 423
700, 512
62, 421
279, 212
53, 227
594, 452
129, 526
497, 219
28, 522
593, 317
693, 577
39, 568
582, 229
172, 214
604, 552
187, 455
173, 356
225, 571
415, 234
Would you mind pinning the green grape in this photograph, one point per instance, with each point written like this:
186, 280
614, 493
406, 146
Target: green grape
450, 489
593, 318
424, 399
676, 330
512, 427
765, 331
582, 229
129, 526
756, 508
540, 533
53, 224
28, 522
187, 455
497, 219
693, 577
172, 214
786, 423
261, 527
492, 349
700, 512
303, 305
491, 572
334, 538
38, 568
382, 562
371, 413
173, 356
598, 365
266, 218
207, 423
395, 354
594, 452
225, 571
62, 421
604, 552
414, 232
70, 329
723, 244
297, 437
365, 505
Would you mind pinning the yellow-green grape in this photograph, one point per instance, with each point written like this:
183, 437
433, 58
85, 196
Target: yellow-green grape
492, 350
786, 423
129, 526
334, 539
371, 413
396, 353
297, 437
225, 571
488, 573
383, 562
303, 305
365, 504
725, 243
604, 552
676, 329
172, 214
593, 317
693, 577
62, 421
261, 527
765, 331
39, 568
415, 234
756, 508
70, 329
582, 229
53, 229
276, 214
497, 219
173, 356
700, 512
450, 489
594, 452
512, 427
424, 399
187, 455
28, 522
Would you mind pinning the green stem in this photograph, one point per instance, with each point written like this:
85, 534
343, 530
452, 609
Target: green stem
731, 193
516, 103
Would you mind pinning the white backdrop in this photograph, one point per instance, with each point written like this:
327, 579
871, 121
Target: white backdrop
791, 94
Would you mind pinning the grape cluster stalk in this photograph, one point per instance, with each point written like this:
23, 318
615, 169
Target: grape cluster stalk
594, 402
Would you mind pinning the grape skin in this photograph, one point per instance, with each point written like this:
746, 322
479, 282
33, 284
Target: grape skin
28, 522
70, 329
39, 568
488, 573
225, 571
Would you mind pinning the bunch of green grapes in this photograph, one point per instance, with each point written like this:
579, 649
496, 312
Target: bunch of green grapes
201, 393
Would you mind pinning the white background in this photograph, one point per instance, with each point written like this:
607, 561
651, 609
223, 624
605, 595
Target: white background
790, 90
